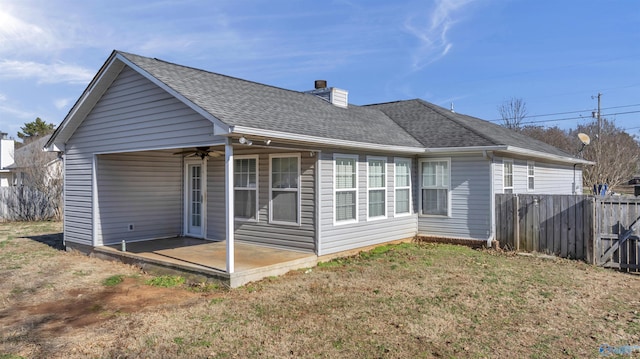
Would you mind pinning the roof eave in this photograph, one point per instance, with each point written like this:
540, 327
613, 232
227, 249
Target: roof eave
249, 131
465, 149
549, 156
513, 150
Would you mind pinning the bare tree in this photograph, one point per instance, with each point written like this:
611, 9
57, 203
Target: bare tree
615, 152
554, 136
513, 112
41, 172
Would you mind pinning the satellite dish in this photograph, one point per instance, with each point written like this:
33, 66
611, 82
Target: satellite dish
584, 138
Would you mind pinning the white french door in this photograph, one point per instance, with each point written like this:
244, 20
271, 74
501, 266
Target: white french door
195, 198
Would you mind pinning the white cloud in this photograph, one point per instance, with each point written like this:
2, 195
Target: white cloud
61, 103
17, 35
431, 31
45, 73
14, 112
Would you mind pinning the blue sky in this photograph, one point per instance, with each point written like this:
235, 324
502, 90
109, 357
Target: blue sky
555, 55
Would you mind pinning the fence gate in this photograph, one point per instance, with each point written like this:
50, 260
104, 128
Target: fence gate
617, 244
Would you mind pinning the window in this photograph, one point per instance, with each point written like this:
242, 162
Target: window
245, 181
508, 176
531, 175
403, 186
285, 189
346, 188
435, 187
376, 187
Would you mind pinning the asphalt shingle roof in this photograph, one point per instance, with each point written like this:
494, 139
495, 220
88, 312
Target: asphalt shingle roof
411, 123
244, 103
437, 127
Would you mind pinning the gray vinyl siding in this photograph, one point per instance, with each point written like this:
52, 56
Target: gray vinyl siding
341, 237
298, 237
132, 115
78, 198
142, 189
470, 202
549, 178
556, 179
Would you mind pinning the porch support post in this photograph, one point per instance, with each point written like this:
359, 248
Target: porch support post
228, 186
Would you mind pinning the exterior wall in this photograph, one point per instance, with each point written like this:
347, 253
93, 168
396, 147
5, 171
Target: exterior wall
302, 237
557, 179
549, 178
470, 201
6, 153
132, 115
341, 237
143, 189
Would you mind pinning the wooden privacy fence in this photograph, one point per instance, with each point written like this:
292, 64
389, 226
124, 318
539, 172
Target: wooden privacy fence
594, 229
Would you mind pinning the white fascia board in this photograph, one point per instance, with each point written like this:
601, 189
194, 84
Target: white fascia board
549, 156
465, 149
54, 148
218, 125
510, 149
240, 130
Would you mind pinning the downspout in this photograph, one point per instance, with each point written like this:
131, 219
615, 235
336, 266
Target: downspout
492, 199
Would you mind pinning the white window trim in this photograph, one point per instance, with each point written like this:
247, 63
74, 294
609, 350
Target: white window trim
384, 188
529, 175
504, 175
335, 190
298, 190
257, 214
449, 204
396, 187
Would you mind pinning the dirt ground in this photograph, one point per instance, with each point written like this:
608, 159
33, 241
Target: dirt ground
410, 300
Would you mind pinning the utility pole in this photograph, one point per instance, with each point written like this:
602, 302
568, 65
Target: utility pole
599, 117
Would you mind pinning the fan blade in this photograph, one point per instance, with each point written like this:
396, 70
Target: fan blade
184, 152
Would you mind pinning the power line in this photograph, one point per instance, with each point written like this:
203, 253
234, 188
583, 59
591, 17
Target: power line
569, 112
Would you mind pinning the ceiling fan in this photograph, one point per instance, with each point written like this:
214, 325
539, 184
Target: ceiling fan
201, 152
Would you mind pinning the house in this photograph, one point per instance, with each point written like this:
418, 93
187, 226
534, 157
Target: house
6, 159
31, 161
153, 149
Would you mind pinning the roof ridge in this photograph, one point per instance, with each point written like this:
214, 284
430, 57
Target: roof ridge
447, 114
216, 73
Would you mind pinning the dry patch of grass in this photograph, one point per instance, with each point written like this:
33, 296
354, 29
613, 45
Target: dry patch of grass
408, 300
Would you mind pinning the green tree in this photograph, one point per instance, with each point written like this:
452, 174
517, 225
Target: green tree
35, 129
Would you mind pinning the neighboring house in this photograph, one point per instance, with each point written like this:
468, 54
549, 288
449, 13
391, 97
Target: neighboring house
6, 159
153, 149
32, 160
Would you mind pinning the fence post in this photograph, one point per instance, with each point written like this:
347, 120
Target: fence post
516, 222
593, 240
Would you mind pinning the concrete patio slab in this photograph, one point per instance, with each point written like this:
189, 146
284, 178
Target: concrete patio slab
207, 258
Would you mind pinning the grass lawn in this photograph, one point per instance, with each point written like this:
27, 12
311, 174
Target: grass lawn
401, 301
